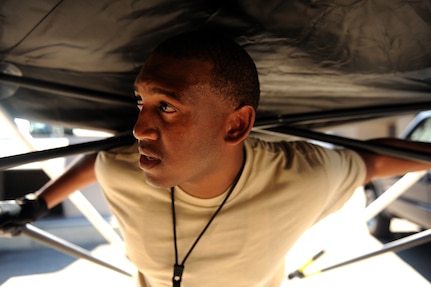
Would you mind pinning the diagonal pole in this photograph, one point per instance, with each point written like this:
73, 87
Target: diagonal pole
66, 247
77, 198
394, 246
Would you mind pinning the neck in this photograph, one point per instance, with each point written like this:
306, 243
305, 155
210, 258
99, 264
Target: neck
218, 181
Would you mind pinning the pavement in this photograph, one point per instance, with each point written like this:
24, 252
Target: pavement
342, 235
44, 267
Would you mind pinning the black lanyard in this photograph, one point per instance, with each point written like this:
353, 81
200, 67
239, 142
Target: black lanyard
179, 268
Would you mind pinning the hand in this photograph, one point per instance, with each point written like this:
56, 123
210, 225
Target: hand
15, 213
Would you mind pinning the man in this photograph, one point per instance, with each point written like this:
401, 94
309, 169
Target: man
199, 203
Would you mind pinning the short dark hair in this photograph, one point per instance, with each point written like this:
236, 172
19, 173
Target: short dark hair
234, 74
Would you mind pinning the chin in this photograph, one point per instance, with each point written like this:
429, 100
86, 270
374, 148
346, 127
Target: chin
157, 182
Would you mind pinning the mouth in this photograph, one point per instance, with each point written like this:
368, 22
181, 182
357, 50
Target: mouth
147, 160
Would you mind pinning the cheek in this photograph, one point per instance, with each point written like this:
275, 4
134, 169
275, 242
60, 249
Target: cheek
210, 131
194, 143
198, 137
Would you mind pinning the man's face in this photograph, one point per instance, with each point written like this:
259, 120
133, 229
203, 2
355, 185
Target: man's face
181, 125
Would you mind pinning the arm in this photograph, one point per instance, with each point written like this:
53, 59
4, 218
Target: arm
78, 174
382, 166
32, 206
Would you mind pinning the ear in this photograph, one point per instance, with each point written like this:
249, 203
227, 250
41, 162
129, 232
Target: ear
239, 124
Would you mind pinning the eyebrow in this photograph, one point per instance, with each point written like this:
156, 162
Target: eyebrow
170, 94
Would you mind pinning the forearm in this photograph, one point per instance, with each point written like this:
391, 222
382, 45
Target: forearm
383, 166
77, 175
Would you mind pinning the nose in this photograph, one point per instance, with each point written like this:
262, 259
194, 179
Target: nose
145, 127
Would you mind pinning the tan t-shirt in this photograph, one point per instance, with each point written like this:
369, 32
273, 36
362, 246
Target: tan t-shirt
284, 189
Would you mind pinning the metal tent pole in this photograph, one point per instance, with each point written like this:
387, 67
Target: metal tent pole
343, 114
394, 246
352, 143
79, 200
65, 90
66, 247
388, 196
392, 193
82, 148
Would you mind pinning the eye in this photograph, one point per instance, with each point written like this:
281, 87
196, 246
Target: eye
166, 108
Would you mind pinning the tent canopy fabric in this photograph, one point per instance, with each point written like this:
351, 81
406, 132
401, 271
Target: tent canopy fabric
314, 58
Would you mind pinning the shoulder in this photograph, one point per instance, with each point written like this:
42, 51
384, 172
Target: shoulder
120, 158
287, 148
300, 153
119, 153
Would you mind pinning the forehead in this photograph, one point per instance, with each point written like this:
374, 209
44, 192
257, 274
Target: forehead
175, 74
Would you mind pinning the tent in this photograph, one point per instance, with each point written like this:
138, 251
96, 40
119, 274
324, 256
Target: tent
73, 62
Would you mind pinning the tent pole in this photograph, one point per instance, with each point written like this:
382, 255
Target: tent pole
65, 90
351, 143
82, 148
394, 246
77, 198
66, 247
392, 193
382, 201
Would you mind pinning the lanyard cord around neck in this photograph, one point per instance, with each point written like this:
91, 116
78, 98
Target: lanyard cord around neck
179, 268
